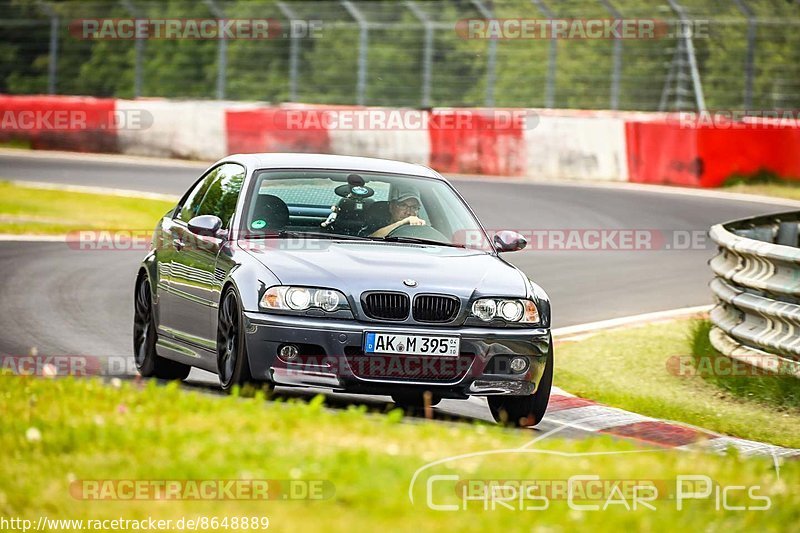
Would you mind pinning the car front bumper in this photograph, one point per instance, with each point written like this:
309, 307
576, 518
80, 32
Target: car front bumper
331, 356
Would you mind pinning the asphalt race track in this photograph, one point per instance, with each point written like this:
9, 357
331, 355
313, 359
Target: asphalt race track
58, 300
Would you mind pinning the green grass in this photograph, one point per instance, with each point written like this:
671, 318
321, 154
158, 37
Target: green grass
638, 369
92, 431
735, 378
764, 183
52, 212
23, 144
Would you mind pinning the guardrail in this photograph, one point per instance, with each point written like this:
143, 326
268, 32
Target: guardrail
756, 319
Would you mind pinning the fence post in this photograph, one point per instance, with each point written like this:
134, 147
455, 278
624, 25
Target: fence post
673, 67
751, 50
138, 51
491, 56
294, 50
427, 52
550, 90
52, 64
686, 37
222, 51
363, 43
616, 69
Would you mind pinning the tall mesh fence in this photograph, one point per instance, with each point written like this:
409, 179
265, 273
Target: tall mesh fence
715, 54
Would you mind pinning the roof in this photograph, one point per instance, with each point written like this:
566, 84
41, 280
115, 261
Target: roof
335, 162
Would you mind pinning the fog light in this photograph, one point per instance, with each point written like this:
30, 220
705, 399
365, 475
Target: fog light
518, 364
289, 352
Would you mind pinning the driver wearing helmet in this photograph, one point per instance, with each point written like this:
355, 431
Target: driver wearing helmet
404, 205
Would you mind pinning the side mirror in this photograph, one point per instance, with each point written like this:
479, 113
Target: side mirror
205, 225
509, 241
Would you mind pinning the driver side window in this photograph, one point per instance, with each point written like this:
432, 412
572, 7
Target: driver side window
220, 198
191, 204
216, 194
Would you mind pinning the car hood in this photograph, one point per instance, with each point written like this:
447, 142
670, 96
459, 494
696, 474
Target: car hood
355, 267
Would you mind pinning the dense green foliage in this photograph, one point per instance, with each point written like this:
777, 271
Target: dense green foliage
328, 62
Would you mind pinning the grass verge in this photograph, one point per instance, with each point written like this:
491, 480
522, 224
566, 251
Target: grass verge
18, 144
52, 212
56, 434
740, 379
650, 370
764, 183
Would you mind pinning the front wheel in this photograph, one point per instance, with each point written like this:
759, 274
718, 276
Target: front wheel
525, 410
148, 362
233, 365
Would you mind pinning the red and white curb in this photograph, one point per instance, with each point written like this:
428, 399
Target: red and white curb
587, 415
569, 410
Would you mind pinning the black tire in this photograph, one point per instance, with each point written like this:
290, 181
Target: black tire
523, 411
233, 366
413, 401
145, 334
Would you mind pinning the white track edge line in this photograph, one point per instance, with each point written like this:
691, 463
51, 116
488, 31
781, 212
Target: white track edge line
110, 191
104, 157
644, 318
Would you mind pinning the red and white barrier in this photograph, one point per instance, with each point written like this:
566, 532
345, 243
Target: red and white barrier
694, 153
412, 146
549, 144
270, 129
60, 122
317, 129
179, 129
477, 141
577, 147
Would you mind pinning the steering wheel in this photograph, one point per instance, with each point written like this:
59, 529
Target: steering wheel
418, 232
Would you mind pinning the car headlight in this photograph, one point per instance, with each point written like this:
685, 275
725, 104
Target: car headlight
302, 298
509, 309
327, 299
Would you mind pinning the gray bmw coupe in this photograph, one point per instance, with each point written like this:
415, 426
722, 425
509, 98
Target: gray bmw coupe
345, 273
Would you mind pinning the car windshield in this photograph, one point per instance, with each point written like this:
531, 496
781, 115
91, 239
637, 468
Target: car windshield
366, 205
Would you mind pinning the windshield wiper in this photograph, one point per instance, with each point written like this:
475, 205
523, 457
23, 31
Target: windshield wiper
417, 240
303, 234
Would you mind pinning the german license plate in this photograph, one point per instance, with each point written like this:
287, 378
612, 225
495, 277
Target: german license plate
411, 344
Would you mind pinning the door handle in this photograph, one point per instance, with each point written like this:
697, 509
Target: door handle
178, 244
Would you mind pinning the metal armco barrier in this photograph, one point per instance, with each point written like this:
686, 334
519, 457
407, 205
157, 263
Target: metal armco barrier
756, 319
